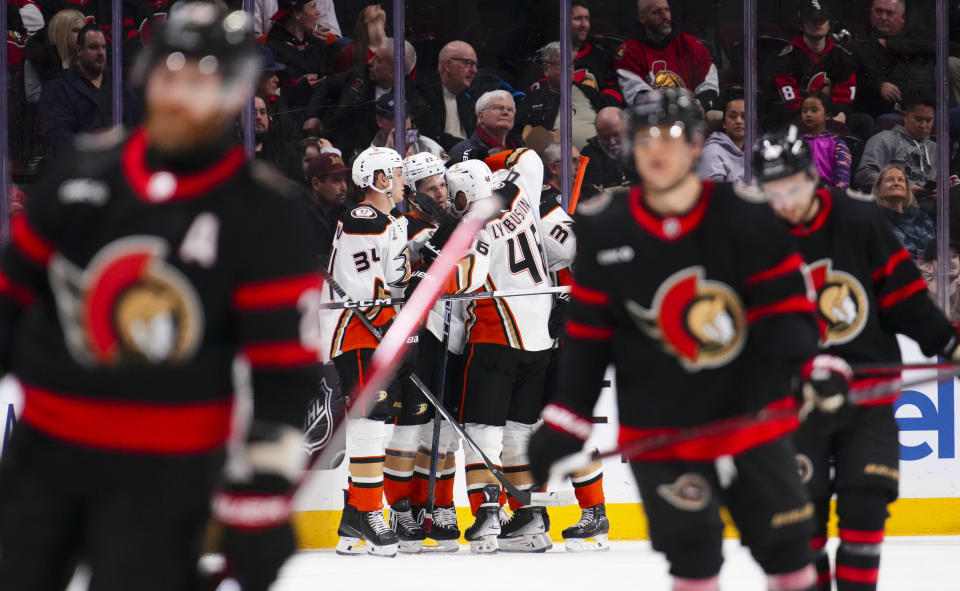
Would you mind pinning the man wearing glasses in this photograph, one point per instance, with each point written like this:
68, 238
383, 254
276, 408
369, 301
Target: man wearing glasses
450, 104
496, 114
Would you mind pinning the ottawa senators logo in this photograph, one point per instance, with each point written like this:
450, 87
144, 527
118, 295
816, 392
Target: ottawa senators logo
699, 321
129, 307
662, 77
842, 304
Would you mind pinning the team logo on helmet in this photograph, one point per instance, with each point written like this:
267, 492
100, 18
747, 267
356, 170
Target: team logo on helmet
129, 307
699, 321
842, 304
663, 77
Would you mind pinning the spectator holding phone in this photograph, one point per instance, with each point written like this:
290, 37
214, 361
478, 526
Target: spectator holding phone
415, 142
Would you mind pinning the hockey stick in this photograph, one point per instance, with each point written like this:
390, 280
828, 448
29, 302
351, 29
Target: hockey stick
639, 447
441, 381
895, 368
578, 184
452, 297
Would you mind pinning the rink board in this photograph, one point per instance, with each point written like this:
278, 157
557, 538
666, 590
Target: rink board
929, 486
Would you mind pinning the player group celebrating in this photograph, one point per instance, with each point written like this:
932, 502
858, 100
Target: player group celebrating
734, 319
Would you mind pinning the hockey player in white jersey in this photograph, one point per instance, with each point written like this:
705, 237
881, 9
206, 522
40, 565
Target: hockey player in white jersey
508, 347
369, 260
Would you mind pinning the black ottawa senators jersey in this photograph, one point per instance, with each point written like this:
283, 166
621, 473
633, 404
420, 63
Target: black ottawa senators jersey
705, 316
127, 292
868, 288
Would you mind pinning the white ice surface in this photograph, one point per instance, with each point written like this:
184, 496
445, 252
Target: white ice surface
908, 564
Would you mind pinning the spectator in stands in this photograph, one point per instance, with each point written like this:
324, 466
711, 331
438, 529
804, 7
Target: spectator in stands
605, 169
892, 61
450, 106
327, 179
270, 146
415, 142
51, 52
343, 106
591, 58
286, 121
292, 42
81, 99
369, 32
658, 55
722, 155
496, 113
830, 153
553, 170
325, 28
928, 270
912, 226
541, 106
910, 145
811, 63
313, 146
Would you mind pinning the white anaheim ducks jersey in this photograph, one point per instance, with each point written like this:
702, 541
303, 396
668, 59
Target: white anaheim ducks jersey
369, 260
517, 262
559, 241
469, 276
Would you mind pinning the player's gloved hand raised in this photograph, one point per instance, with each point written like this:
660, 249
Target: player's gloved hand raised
254, 504
562, 433
557, 315
825, 382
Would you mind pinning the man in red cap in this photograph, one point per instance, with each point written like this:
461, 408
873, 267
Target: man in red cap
327, 179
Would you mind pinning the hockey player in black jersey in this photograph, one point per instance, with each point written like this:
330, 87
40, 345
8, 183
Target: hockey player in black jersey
699, 300
138, 272
868, 289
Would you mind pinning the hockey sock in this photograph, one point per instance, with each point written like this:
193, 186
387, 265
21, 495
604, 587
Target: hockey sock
711, 584
443, 494
516, 468
799, 580
365, 450
588, 485
862, 514
401, 455
822, 562
488, 438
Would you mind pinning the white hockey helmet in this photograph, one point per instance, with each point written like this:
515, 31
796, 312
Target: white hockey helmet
420, 166
472, 178
373, 160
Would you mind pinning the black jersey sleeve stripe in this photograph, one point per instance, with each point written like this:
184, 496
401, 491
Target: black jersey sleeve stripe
891, 265
892, 299
10, 289
589, 296
29, 242
796, 304
274, 293
791, 264
577, 330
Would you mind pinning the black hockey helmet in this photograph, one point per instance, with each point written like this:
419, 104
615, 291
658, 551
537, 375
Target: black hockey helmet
781, 154
666, 106
200, 31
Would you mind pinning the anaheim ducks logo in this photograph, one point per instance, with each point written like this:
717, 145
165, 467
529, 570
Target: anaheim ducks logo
842, 304
128, 307
699, 321
663, 77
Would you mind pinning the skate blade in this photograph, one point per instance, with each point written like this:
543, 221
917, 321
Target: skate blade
525, 543
484, 545
440, 546
357, 546
411, 546
595, 544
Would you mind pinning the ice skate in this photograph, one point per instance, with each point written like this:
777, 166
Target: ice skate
403, 522
590, 533
443, 529
365, 532
482, 535
525, 531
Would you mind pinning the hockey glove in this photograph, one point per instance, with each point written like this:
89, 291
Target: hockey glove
952, 350
255, 501
431, 249
562, 433
557, 315
415, 278
825, 383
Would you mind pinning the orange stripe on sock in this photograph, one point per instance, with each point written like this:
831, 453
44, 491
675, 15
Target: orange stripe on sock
589, 495
365, 499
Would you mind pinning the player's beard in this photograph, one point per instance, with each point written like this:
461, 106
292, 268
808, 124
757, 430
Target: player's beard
173, 129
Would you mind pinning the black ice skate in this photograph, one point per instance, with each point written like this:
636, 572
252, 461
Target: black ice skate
443, 529
526, 531
365, 532
405, 524
590, 533
482, 535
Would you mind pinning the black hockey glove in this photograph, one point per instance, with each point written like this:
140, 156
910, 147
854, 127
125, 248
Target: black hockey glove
255, 501
562, 433
825, 382
557, 315
415, 278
